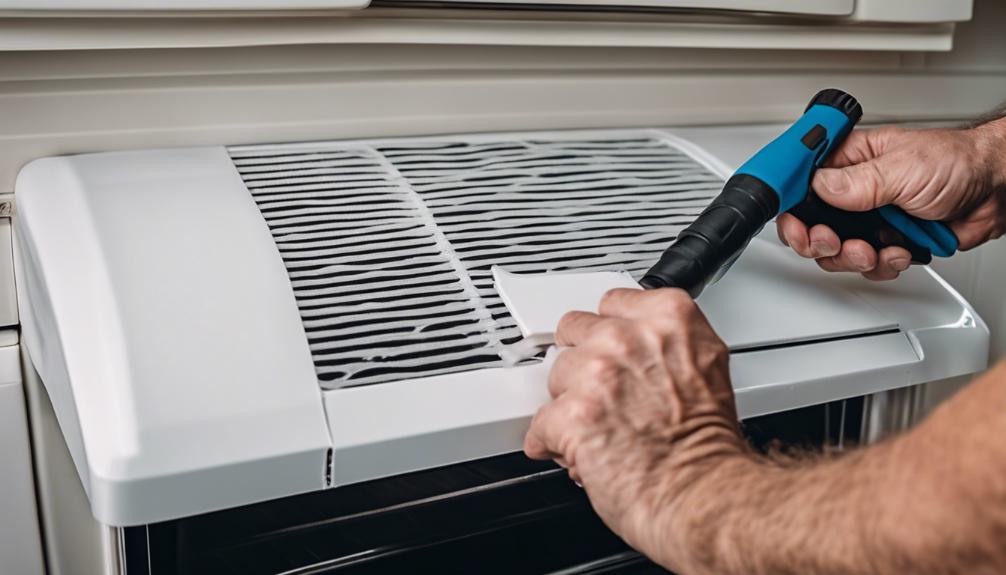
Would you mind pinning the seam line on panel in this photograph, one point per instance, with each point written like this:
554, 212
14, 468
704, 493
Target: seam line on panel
445, 247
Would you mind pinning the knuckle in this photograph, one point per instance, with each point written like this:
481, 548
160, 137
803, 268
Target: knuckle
617, 301
621, 347
868, 179
610, 298
586, 410
653, 339
569, 317
595, 366
617, 335
611, 329
599, 367
605, 375
875, 176
676, 301
714, 355
538, 420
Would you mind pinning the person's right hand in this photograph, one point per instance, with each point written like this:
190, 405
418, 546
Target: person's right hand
953, 176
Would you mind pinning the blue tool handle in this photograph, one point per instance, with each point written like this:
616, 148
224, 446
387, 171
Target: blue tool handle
787, 165
934, 236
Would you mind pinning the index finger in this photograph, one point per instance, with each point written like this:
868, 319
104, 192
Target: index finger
574, 327
854, 150
860, 146
544, 437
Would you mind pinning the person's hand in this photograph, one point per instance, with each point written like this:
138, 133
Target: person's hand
954, 176
642, 406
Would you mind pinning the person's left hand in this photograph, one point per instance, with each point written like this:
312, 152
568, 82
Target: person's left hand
642, 406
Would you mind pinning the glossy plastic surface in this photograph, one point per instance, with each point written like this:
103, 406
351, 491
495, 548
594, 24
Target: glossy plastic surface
159, 316
161, 320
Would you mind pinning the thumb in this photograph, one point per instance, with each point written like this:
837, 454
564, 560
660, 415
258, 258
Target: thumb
857, 188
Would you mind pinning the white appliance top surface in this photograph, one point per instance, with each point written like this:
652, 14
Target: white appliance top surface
159, 316
176, 340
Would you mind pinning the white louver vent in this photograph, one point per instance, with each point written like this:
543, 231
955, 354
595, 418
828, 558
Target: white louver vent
389, 244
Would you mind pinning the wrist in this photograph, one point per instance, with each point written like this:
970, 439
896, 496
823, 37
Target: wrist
699, 456
990, 143
691, 516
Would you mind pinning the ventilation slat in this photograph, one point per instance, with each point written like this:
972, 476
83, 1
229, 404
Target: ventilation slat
389, 244
577, 191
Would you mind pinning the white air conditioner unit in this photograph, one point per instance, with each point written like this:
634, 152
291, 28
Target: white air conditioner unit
219, 326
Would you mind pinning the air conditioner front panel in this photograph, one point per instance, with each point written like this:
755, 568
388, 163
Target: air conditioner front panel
218, 326
389, 244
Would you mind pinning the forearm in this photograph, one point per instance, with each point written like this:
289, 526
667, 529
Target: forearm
930, 501
992, 115
990, 138
758, 515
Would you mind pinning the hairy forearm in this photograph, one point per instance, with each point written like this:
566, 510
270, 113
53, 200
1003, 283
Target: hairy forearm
992, 115
930, 501
990, 136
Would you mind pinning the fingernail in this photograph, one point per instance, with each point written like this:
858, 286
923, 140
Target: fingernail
820, 249
860, 261
835, 181
900, 264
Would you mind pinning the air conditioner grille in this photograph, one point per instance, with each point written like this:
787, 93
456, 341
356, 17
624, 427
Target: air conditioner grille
389, 244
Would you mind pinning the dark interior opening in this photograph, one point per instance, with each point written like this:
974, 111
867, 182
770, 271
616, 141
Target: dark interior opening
503, 514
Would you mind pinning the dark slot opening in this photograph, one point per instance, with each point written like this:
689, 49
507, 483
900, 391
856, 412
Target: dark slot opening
504, 514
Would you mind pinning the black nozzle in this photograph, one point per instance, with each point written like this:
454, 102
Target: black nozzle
716, 237
840, 100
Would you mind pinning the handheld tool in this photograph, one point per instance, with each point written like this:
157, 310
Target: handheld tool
776, 180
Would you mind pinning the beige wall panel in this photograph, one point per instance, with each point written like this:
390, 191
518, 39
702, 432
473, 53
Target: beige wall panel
66, 116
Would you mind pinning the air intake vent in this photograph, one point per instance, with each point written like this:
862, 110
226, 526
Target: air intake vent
389, 243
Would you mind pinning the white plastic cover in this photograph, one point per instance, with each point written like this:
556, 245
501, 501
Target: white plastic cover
162, 320
158, 314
